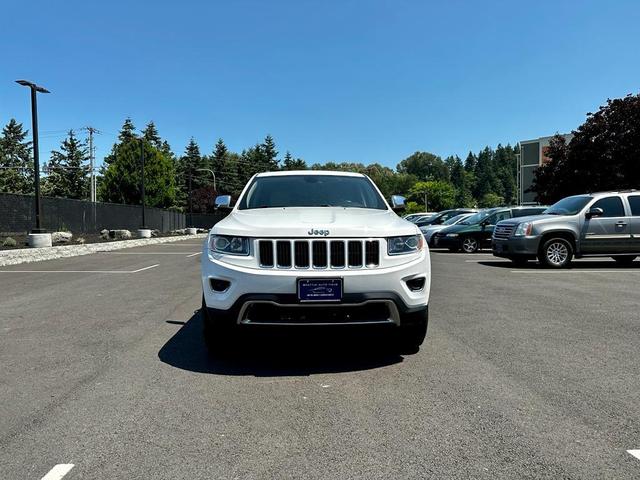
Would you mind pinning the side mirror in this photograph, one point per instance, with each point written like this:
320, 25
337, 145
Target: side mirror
223, 201
398, 203
594, 212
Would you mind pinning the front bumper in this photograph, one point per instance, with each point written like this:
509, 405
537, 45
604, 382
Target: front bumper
513, 247
362, 288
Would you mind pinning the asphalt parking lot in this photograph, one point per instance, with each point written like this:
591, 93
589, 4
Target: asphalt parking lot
525, 373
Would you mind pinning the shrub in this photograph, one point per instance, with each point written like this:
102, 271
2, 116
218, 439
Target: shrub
9, 242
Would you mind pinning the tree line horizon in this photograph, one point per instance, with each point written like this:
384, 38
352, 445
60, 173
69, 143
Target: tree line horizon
487, 178
603, 153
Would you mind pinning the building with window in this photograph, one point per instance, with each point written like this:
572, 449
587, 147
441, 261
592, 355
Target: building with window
532, 156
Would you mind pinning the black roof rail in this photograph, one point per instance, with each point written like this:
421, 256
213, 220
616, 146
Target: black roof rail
626, 190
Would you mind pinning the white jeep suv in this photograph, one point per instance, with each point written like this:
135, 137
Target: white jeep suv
314, 248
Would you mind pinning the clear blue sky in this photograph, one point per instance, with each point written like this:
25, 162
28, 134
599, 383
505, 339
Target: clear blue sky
343, 80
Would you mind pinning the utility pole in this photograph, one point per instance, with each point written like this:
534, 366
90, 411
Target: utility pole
92, 162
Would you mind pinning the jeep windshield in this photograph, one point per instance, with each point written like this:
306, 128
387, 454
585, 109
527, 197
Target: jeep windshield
568, 206
282, 191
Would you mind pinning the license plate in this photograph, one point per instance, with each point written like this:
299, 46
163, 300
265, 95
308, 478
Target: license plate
320, 290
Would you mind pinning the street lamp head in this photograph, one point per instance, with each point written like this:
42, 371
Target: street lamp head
27, 83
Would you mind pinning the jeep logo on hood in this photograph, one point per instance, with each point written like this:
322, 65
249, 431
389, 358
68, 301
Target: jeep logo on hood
324, 233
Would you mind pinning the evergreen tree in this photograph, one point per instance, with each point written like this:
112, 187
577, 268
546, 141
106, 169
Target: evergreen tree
128, 131
230, 181
219, 157
289, 163
151, 135
270, 154
486, 175
16, 164
121, 177
189, 164
68, 170
462, 181
470, 162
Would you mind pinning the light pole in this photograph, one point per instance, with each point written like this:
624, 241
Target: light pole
36, 152
428, 178
212, 173
144, 224
190, 217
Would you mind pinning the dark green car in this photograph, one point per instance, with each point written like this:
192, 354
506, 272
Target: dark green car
475, 232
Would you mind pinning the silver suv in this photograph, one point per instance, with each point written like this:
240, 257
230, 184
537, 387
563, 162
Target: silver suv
594, 224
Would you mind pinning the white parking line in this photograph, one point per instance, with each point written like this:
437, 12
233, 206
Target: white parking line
81, 271
194, 254
485, 260
59, 471
635, 453
178, 244
575, 270
145, 268
147, 253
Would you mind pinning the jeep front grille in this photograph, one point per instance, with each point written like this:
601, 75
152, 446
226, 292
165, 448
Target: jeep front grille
318, 254
503, 232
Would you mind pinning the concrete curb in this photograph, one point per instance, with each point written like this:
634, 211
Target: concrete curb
29, 255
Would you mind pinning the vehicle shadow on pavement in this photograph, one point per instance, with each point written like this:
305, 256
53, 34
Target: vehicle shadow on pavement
575, 265
267, 352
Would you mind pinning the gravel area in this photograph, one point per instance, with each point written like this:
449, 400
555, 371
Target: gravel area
28, 255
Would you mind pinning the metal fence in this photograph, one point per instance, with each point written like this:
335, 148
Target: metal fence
17, 216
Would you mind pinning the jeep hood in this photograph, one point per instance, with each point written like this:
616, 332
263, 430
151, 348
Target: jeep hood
300, 221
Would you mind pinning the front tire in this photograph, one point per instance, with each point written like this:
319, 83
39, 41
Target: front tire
411, 332
556, 253
219, 332
470, 245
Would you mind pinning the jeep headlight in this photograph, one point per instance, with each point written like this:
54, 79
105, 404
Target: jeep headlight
229, 245
406, 244
523, 229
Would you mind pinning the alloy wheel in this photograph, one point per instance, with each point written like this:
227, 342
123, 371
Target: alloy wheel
469, 245
557, 253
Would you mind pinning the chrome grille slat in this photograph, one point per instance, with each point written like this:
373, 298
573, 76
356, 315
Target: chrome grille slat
318, 254
503, 232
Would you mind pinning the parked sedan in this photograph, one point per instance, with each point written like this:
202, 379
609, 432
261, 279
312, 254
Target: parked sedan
441, 217
428, 231
412, 217
475, 232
